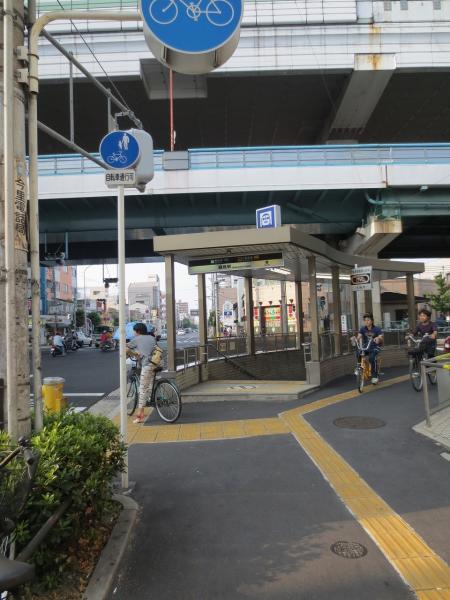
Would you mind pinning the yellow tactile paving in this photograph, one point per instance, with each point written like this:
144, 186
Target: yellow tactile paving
422, 569
434, 595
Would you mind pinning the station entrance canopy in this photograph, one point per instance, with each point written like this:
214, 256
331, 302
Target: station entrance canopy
276, 254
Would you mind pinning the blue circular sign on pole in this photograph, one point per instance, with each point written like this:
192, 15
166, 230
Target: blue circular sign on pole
119, 149
192, 26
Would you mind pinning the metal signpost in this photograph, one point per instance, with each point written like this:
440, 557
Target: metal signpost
361, 279
120, 149
268, 217
192, 37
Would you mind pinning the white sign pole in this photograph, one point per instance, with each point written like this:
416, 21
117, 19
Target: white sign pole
123, 358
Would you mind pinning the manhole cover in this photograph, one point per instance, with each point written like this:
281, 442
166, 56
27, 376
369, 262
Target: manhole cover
359, 422
241, 387
349, 549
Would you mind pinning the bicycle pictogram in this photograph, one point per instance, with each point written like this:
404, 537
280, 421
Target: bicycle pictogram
218, 12
117, 157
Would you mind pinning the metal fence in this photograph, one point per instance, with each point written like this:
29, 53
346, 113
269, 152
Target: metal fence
272, 157
438, 367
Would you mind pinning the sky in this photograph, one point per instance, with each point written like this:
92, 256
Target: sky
185, 284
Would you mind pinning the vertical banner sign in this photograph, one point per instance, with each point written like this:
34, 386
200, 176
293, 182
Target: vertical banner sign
20, 213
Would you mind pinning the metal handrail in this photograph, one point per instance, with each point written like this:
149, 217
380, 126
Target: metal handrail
273, 157
431, 365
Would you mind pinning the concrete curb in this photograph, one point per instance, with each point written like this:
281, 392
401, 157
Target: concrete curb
100, 583
108, 406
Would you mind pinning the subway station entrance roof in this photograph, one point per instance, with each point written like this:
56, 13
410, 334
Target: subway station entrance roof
283, 254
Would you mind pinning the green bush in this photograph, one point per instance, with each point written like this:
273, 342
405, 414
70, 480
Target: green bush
80, 455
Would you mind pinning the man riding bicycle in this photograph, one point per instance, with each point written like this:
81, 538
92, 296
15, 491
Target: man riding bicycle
426, 330
371, 332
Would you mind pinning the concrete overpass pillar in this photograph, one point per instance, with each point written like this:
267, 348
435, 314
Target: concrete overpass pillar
376, 302
283, 308
411, 300
337, 310
315, 351
368, 81
170, 312
368, 304
354, 309
202, 318
299, 314
249, 321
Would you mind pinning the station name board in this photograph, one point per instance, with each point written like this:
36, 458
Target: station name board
236, 263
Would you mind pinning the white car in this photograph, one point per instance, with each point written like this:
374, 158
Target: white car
83, 339
181, 332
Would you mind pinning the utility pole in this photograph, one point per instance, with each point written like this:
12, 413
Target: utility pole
14, 356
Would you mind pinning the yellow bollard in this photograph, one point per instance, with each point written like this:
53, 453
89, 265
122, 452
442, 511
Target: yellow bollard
53, 394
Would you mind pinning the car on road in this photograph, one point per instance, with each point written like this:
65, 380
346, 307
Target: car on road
181, 332
83, 339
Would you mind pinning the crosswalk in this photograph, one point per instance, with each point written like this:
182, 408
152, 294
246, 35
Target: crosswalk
75, 395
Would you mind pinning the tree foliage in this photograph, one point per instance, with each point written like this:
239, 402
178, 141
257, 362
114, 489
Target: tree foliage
95, 318
440, 301
79, 317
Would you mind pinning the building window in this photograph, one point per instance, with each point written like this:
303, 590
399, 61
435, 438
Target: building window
66, 288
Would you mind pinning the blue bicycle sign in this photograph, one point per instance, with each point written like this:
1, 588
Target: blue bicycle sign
218, 12
119, 149
192, 26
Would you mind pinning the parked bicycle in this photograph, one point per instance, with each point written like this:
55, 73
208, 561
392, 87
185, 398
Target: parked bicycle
418, 350
363, 370
164, 396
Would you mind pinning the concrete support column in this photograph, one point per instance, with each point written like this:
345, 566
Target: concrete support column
249, 328
337, 312
368, 304
313, 308
376, 302
202, 317
411, 300
299, 314
170, 312
355, 311
284, 313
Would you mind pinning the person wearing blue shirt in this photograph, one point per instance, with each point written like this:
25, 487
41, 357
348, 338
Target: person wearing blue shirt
370, 331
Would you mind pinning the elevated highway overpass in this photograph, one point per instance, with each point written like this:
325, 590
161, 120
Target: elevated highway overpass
386, 200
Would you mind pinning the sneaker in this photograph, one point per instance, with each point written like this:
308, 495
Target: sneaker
374, 380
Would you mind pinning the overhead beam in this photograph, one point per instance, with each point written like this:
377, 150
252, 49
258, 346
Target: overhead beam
367, 83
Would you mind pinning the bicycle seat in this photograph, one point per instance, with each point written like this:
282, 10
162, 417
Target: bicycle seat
14, 573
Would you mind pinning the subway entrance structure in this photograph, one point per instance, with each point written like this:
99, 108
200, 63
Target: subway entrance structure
282, 254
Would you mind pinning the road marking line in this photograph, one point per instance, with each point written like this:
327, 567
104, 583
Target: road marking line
417, 564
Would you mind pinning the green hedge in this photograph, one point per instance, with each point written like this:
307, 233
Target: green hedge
80, 455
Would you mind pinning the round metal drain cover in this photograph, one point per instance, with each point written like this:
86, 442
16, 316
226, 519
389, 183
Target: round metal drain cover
359, 422
349, 549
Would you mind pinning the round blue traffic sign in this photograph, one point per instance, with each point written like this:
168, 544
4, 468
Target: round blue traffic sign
119, 149
192, 26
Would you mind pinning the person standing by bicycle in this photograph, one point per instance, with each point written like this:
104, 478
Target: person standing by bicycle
142, 346
371, 332
428, 332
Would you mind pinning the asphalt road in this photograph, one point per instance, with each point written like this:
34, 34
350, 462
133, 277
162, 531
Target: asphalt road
91, 374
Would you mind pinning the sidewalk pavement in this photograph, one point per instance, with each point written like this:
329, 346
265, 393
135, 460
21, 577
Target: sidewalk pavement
230, 511
439, 430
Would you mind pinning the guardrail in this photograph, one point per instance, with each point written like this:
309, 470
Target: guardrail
271, 157
439, 365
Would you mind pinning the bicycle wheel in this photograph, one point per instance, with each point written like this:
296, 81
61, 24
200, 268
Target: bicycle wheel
220, 13
415, 374
132, 394
167, 400
360, 379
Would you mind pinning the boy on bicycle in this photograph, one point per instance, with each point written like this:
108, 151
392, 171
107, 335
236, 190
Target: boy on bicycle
428, 332
142, 346
369, 331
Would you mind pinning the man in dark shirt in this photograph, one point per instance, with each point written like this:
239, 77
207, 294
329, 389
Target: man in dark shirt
427, 331
370, 331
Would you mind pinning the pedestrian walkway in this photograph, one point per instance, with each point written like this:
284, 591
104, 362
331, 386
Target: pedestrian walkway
245, 514
440, 428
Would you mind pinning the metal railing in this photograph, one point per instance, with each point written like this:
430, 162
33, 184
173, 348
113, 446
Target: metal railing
440, 367
271, 157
